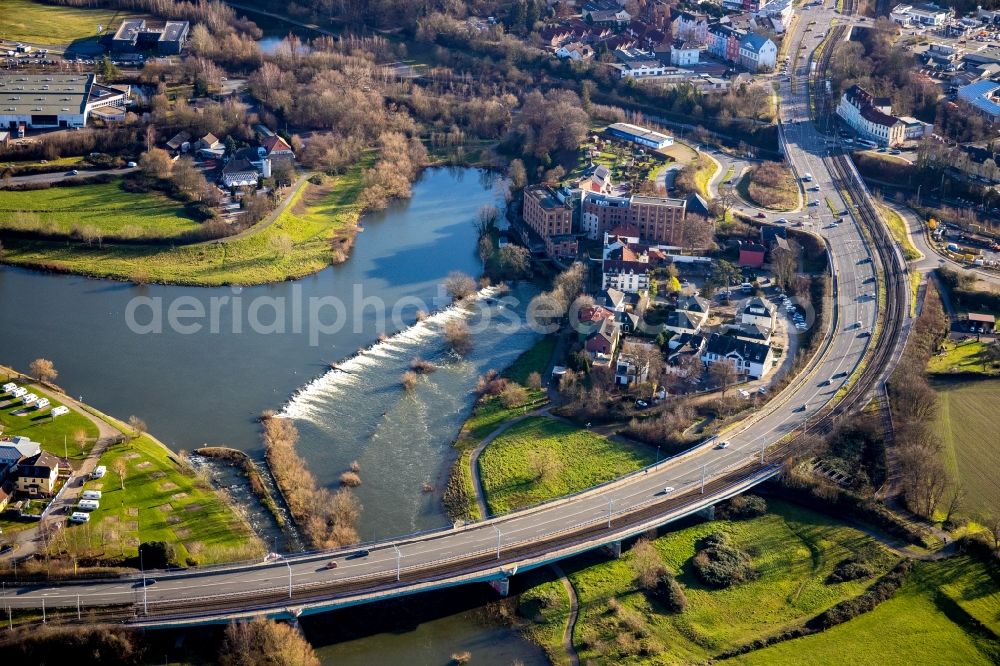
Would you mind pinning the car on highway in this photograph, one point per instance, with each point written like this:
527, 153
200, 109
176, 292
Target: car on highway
145, 582
358, 554
762, 215
865, 334
814, 202
73, 172
802, 408
332, 564
722, 445
668, 489
814, 188
866, 260
782, 220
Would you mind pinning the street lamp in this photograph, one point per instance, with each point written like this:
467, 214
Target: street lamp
610, 502
289, 578
498, 540
398, 557
657, 455
142, 570
703, 467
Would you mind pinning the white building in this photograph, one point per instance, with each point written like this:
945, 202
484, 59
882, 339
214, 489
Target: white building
757, 53
639, 65
871, 117
925, 14
575, 51
684, 54
56, 100
748, 358
759, 312
690, 27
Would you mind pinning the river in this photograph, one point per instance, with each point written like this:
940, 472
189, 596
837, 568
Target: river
209, 387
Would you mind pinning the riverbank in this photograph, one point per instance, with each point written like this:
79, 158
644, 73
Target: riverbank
148, 494
312, 230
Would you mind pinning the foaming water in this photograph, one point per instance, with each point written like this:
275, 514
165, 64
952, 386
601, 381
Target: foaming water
359, 410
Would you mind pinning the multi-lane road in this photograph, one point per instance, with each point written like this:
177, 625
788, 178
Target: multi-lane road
492, 549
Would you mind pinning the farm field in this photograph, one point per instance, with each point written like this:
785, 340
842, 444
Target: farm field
37, 23
104, 207
966, 416
927, 621
313, 218
542, 458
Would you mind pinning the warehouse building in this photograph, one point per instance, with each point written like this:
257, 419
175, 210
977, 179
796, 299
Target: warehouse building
134, 35
640, 135
40, 101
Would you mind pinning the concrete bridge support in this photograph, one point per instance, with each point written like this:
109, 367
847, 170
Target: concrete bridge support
708, 513
502, 586
613, 549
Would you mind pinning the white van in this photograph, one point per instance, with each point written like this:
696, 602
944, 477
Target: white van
88, 505
79, 517
91, 494
99, 472
807, 178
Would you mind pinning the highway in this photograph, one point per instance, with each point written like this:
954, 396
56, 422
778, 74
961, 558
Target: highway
496, 548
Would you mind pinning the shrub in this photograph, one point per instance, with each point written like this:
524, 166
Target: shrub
350, 479
157, 554
670, 594
720, 564
862, 564
409, 380
458, 336
421, 366
741, 507
513, 395
880, 591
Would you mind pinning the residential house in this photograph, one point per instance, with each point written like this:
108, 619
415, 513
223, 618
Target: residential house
724, 42
686, 345
15, 450
6, 494
239, 173
658, 220
759, 312
691, 27
872, 116
689, 315
602, 343
37, 475
752, 359
684, 54
613, 299
752, 255
624, 268
275, 146
635, 65
210, 142
751, 333
632, 365
575, 51
607, 12
757, 53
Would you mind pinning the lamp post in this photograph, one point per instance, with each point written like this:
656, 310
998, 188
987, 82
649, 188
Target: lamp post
657, 455
398, 557
703, 467
498, 540
142, 569
610, 502
289, 578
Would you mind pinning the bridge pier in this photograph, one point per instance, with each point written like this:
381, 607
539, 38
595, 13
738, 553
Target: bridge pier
708, 513
613, 549
501, 586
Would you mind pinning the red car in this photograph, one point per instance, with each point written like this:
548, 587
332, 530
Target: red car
762, 215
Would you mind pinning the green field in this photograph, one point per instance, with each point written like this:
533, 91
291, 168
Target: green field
964, 356
547, 606
928, 621
315, 216
580, 458
164, 500
27, 21
51, 433
106, 207
535, 359
966, 424
793, 549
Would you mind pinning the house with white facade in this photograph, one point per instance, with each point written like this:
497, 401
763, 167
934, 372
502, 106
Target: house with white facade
638, 64
758, 312
691, 27
757, 53
871, 116
684, 54
575, 51
748, 358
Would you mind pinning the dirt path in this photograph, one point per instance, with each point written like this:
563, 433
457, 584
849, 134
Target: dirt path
574, 613
267, 221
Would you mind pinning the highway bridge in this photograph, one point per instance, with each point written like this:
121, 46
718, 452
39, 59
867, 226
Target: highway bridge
868, 279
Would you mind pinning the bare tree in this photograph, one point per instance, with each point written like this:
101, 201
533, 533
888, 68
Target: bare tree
955, 502
43, 370
458, 336
121, 469
544, 464
156, 163
724, 374
136, 426
646, 563
261, 641
459, 285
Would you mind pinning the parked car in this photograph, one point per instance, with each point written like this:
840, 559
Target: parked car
131, 165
